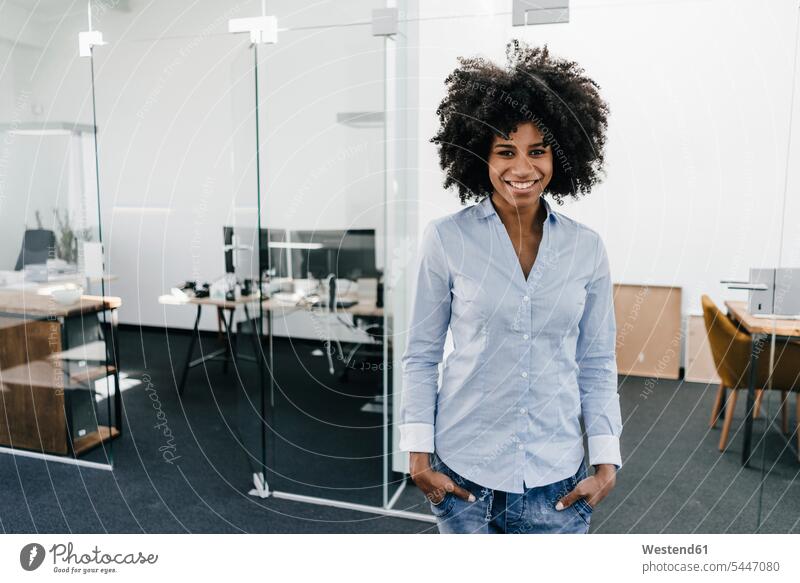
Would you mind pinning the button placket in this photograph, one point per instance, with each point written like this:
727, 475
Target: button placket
527, 305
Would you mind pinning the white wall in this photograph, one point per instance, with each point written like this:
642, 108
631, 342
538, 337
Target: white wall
21, 43
699, 96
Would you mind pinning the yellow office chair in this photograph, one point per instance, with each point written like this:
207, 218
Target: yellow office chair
731, 348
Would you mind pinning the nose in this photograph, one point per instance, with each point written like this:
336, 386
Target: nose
524, 169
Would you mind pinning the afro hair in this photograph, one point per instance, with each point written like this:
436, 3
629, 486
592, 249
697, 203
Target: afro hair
484, 100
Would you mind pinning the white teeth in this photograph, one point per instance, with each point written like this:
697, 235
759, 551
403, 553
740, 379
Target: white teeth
521, 184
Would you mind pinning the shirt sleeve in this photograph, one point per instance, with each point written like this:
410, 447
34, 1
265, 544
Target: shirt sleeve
430, 318
596, 358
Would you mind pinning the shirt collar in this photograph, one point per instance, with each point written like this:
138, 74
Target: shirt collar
485, 208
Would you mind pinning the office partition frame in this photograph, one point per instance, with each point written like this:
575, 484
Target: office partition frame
66, 201
778, 419
271, 391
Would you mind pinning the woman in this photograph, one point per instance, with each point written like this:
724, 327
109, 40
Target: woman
527, 295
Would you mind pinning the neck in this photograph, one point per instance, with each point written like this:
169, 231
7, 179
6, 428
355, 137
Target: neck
527, 219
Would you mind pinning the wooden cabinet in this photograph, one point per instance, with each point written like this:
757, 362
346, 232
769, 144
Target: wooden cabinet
47, 387
700, 366
23, 340
649, 336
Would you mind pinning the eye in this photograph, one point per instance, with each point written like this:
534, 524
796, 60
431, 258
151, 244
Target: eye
537, 152
503, 153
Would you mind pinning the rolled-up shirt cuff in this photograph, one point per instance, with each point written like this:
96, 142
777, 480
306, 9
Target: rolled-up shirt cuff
416, 437
604, 449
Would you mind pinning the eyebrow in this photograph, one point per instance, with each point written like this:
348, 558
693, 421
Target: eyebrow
512, 145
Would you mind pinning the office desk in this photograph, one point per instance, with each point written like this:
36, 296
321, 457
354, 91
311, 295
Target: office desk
229, 351
41, 374
760, 329
30, 304
362, 308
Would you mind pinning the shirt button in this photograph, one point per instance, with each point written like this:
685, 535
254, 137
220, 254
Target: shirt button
523, 410
525, 298
525, 336
520, 446
524, 375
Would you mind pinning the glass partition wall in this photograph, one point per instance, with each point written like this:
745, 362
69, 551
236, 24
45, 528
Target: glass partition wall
59, 365
324, 218
772, 438
179, 128
260, 169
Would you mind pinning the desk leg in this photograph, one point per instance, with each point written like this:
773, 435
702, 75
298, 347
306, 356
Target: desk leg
230, 350
117, 388
195, 334
751, 399
234, 336
253, 335
225, 338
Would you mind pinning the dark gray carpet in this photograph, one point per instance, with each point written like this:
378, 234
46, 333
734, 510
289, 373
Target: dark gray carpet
673, 479
204, 490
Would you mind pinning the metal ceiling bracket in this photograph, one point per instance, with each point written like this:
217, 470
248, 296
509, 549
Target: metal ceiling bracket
530, 12
87, 40
384, 22
262, 29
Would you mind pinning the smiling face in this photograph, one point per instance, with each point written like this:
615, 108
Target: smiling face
520, 167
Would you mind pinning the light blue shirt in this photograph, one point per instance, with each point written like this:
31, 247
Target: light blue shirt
530, 357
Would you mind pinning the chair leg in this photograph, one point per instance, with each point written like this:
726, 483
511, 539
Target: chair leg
718, 400
785, 412
757, 406
726, 425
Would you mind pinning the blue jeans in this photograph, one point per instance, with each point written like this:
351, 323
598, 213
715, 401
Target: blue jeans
496, 511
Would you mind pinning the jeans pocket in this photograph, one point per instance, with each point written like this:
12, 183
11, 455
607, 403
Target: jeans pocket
584, 509
581, 506
444, 507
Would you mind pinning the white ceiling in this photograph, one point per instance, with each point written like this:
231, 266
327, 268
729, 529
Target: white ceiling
49, 10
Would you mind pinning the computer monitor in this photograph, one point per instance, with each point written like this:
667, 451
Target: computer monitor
227, 237
348, 254
239, 255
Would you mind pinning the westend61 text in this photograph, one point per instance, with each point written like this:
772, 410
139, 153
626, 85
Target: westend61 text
673, 550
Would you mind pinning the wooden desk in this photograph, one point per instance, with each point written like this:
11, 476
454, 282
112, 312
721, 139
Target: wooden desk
171, 300
39, 371
786, 327
34, 305
229, 351
361, 308
760, 329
